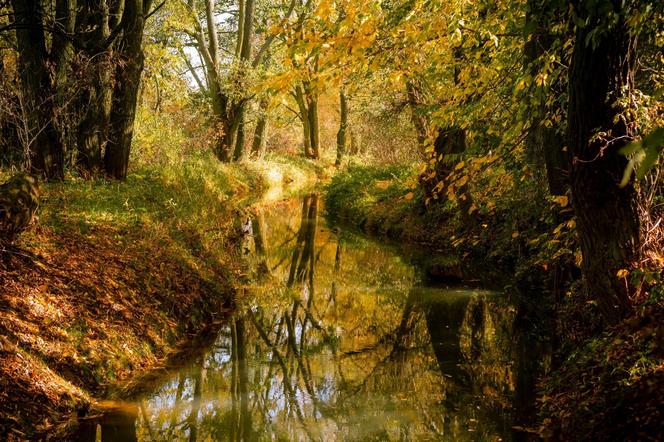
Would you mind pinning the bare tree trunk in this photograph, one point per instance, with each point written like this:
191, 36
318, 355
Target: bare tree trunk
239, 142
314, 124
95, 100
343, 126
260, 133
304, 118
247, 30
92, 131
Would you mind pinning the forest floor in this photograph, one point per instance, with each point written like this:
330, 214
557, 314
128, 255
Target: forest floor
605, 383
113, 277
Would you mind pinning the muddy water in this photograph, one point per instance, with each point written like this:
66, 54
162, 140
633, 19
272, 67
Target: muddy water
339, 338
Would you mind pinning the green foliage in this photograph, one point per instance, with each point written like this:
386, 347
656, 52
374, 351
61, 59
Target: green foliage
353, 193
643, 155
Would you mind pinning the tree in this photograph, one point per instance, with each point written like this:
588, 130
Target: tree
343, 126
601, 77
125, 92
227, 65
96, 96
67, 94
545, 141
306, 92
47, 152
260, 133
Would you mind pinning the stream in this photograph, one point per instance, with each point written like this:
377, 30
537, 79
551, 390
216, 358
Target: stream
339, 337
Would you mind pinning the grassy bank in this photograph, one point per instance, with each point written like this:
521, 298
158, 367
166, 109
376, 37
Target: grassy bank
515, 235
604, 381
113, 276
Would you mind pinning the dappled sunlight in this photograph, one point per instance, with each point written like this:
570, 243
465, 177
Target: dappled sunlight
331, 220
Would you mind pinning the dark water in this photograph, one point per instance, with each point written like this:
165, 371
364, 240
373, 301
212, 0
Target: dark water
338, 338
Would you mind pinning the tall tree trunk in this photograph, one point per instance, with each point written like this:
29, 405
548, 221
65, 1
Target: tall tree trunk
10, 143
240, 27
92, 131
125, 92
314, 124
420, 121
544, 145
239, 142
245, 32
260, 133
60, 56
304, 118
343, 125
43, 140
96, 99
452, 141
607, 220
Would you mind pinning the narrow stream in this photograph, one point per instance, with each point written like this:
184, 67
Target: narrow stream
337, 337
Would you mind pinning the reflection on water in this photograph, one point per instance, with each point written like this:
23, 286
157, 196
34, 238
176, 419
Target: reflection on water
337, 338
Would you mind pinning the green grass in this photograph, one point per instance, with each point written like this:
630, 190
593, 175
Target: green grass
185, 206
351, 195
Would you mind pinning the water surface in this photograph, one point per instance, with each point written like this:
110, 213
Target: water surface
337, 337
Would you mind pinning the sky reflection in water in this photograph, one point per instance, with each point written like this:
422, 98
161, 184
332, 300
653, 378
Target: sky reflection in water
337, 338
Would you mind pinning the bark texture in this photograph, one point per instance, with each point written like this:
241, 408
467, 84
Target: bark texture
343, 127
607, 220
43, 140
125, 92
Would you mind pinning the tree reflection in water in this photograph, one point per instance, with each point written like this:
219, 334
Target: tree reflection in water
338, 340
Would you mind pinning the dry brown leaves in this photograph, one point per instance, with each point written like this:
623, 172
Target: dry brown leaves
79, 312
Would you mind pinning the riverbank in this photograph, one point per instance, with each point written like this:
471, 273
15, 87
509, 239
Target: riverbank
526, 241
113, 276
515, 235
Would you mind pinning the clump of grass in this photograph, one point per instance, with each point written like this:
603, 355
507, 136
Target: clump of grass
353, 194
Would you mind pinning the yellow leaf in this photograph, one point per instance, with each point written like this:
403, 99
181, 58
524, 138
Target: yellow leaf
384, 184
562, 200
515, 235
622, 273
409, 196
